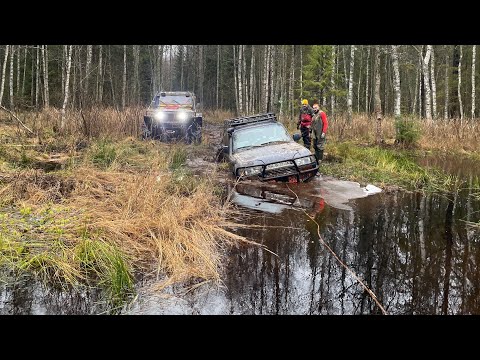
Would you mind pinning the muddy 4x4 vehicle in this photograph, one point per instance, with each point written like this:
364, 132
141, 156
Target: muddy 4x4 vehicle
259, 147
173, 115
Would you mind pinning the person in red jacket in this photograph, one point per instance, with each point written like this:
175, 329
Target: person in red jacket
305, 122
319, 130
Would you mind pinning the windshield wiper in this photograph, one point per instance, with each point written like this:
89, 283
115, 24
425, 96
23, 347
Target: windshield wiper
248, 147
274, 142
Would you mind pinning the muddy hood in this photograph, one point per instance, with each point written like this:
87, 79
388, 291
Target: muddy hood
269, 154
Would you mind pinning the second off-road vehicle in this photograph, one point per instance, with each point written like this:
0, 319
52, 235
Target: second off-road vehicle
259, 147
173, 115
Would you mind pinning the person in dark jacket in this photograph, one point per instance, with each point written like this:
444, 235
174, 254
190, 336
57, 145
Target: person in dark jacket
319, 131
305, 122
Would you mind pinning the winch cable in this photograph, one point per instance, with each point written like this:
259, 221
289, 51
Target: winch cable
366, 288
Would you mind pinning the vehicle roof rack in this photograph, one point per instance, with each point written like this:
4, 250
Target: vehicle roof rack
250, 119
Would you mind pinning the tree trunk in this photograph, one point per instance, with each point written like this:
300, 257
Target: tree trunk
266, 78
460, 83
420, 81
252, 79
4, 70
332, 80
241, 79
396, 81
271, 68
291, 82
236, 81
46, 93
426, 82
136, 74
359, 81
124, 82
19, 52
350, 83
474, 56
37, 79
218, 75
182, 58
100, 75
378, 105
447, 90
434, 84
12, 53
67, 83
88, 65
64, 62
301, 71
24, 72
367, 102
417, 87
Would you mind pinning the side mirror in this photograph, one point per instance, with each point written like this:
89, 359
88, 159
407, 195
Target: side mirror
297, 136
225, 149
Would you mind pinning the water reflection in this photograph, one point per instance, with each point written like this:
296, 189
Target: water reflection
23, 295
415, 252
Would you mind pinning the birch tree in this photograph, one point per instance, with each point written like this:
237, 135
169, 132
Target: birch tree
67, 83
217, 83
350, 83
378, 104
12, 58
235, 81
291, 84
426, 82
460, 83
396, 81
434, 83
46, 93
4, 68
100, 75
474, 57
332, 81
37, 79
87, 69
447, 92
124, 83
367, 103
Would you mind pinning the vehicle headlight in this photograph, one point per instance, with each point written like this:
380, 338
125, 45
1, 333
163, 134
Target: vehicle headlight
305, 160
182, 115
159, 115
250, 171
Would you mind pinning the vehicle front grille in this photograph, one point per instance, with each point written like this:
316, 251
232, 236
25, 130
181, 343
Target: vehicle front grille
284, 171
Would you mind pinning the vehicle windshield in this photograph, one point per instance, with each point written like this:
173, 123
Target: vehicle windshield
259, 135
184, 101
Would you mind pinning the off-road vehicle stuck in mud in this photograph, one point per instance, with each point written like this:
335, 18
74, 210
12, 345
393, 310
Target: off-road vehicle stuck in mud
259, 147
173, 115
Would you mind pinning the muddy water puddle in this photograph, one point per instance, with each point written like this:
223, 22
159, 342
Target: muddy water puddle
417, 253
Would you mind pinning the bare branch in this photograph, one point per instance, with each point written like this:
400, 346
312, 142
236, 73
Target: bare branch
16, 118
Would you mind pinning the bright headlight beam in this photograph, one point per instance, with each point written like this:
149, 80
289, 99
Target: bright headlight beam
159, 115
182, 115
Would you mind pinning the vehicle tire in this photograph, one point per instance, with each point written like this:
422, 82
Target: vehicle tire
194, 134
146, 134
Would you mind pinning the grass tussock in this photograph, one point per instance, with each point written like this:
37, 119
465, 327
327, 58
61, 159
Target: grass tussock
385, 167
121, 208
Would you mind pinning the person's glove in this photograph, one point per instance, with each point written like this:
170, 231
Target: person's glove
323, 135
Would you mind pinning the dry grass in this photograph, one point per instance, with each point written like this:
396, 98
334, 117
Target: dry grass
217, 116
137, 199
445, 135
